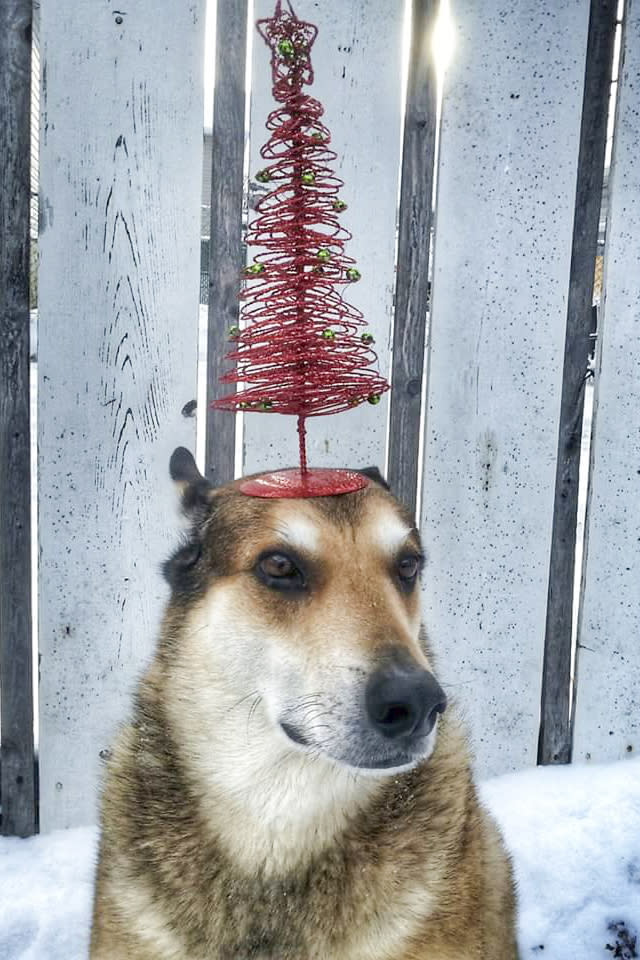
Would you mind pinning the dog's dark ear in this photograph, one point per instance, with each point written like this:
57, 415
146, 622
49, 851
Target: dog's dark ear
195, 490
374, 474
178, 570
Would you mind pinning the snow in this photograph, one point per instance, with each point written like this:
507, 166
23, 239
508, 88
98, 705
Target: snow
47, 886
574, 833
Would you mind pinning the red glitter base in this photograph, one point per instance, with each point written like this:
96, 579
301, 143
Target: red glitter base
294, 484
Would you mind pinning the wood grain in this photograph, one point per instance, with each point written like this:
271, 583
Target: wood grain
16, 654
555, 726
502, 250
607, 705
226, 249
412, 272
120, 161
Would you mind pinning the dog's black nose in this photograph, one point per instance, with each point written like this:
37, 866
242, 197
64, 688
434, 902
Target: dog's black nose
403, 701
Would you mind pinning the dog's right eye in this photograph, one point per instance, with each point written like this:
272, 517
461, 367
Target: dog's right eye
277, 570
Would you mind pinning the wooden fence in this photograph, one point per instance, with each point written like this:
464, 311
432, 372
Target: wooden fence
482, 428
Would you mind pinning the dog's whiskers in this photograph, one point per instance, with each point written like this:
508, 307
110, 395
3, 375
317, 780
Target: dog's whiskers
252, 709
244, 699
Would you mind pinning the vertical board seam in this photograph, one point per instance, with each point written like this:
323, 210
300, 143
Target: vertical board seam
17, 774
414, 240
554, 745
226, 254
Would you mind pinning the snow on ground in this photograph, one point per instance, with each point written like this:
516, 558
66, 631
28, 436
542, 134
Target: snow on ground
46, 886
574, 833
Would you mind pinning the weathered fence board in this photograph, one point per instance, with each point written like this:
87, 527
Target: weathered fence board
555, 728
16, 674
505, 204
119, 283
357, 64
607, 718
414, 239
226, 250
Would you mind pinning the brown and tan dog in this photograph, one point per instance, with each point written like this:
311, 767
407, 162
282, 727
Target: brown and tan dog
290, 787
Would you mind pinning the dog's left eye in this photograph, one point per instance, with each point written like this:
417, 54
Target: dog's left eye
277, 570
408, 569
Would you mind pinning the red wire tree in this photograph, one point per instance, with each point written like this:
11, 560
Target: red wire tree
301, 348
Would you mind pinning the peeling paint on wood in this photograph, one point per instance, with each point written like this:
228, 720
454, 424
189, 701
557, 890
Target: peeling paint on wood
506, 190
119, 287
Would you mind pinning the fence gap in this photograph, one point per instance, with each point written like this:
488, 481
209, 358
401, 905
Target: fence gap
17, 768
555, 734
607, 675
226, 251
412, 270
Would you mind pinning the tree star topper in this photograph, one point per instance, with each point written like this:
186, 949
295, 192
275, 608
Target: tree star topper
290, 40
299, 348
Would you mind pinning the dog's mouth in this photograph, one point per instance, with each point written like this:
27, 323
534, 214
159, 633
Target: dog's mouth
367, 756
295, 734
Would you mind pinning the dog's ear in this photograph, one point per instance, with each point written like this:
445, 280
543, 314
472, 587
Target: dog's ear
178, 570
374, 474
195, 490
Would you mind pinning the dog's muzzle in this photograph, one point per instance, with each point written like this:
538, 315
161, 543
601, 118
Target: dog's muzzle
387, 723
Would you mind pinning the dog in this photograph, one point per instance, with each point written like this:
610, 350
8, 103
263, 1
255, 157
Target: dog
291, 786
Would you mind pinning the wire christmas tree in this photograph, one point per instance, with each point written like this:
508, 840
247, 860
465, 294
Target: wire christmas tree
301, 348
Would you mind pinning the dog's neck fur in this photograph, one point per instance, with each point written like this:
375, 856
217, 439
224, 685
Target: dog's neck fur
257, 816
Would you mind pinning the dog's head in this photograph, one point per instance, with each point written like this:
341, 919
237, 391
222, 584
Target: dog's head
308, 612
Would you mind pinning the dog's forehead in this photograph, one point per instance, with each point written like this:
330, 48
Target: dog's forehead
367, 520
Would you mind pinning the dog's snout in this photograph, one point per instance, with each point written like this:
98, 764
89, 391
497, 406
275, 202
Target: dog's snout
403, 702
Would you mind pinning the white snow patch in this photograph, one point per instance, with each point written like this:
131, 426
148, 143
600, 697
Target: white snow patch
46, 885
574, 833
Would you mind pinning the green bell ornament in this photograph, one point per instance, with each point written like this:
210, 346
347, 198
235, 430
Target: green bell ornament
286, 48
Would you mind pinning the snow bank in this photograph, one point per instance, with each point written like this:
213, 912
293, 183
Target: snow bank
574, 833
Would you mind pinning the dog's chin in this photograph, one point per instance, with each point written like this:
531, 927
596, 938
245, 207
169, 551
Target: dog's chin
369, 762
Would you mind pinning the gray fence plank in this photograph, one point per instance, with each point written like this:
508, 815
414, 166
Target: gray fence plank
502, 251
16, 654
226, 250
120, 165
555, 732
412, 272
607, 718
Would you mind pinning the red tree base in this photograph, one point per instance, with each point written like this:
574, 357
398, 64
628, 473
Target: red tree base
294, 484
